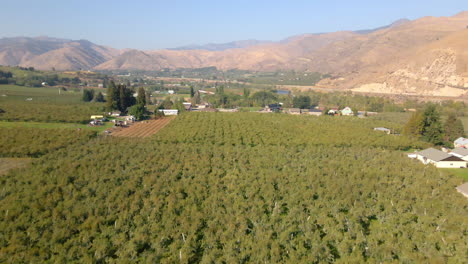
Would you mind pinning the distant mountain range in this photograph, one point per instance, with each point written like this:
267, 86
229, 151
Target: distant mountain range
427, 56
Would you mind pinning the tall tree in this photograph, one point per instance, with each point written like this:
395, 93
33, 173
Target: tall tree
414, 126
99, 97
196, 98
141, 97
453, 128
113, 97
88, 95
192, 91
432, 131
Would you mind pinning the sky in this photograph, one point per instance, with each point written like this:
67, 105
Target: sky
148, 25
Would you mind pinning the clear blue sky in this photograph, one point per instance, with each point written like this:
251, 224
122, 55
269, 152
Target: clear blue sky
145, 24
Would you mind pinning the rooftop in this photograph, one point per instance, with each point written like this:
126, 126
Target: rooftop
434, 154
461, 151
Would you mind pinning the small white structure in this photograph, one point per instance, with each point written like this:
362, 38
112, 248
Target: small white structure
115, 113
171, 92
383, 129
44, 84
169, 112
440, 159
97, 117
100, 85
461, 142
462, 153
347, 111
463, 189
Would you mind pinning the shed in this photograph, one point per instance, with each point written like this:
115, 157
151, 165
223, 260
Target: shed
293, 111
97, 117
440, 159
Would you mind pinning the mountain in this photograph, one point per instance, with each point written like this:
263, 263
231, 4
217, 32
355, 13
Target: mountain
47, 53
394, 24
224, 46
425, 56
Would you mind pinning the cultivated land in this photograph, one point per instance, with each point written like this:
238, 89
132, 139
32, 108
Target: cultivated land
235, 188
144, 128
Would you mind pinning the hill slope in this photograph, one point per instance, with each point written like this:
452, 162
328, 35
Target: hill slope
47, 53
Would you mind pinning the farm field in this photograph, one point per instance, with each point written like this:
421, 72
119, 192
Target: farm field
144, 128
45, 105
235, 188
20, 124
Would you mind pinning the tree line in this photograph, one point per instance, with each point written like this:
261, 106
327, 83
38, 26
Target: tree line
428, 126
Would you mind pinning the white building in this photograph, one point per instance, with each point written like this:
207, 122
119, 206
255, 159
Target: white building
439, 159
169, 112
461, 142
347, 111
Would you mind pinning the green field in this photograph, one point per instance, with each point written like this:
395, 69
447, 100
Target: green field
6, 124
45, 105
235, 188
462, 173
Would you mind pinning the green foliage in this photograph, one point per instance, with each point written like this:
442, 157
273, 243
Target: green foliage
99, 98
453, 128
138, 111
244, 188
302, 102
426, 125
119, 97
432, 126
263, 98
35, 142
415, 125
88, 95
141, 97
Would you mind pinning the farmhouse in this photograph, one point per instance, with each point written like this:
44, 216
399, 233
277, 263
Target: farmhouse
463, 189
462, 153
347, 111
169, 112
439, 159
461, 142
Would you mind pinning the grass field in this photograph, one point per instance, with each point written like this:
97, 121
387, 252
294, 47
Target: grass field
20, 124
462, 173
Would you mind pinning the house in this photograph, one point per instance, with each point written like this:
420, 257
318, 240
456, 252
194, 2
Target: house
333, 111
463, 189
187, 106
439, 159
462, 153
115, 113
171, 92
383, 129
315, 112
169, 112
461, 142
347, 111
97, 117
273, 108
100, 85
